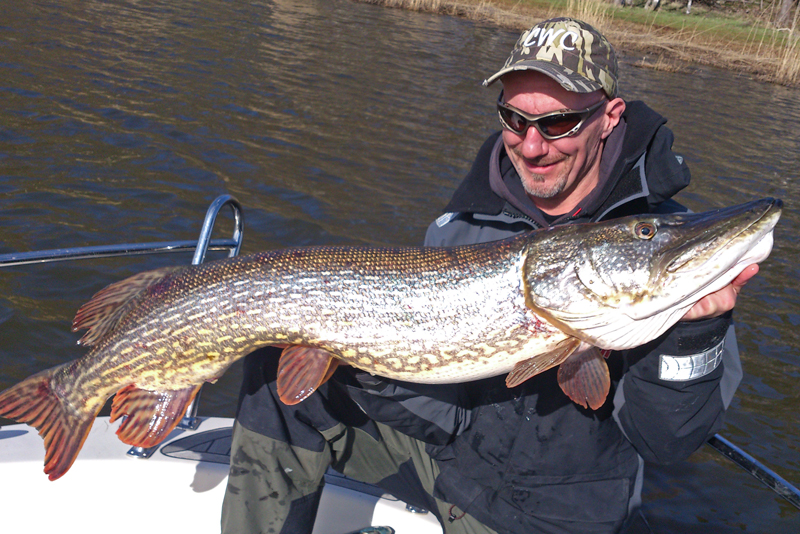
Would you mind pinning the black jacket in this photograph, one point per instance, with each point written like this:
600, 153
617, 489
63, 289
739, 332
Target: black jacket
527, 459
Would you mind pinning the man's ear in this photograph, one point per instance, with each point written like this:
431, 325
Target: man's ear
613, 114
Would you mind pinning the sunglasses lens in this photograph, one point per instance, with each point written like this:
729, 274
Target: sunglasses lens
513, 120
559, 124
553, 127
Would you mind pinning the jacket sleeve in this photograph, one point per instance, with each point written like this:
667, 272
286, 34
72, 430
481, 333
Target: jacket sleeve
675, 389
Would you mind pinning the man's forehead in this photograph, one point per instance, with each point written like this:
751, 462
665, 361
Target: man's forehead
537, 84
529, 78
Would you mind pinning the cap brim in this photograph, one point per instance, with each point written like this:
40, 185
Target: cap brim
568, 79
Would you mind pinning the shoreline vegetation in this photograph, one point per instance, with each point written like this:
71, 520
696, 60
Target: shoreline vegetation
739, 35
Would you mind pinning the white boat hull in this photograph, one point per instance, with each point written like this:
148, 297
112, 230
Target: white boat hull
178, 489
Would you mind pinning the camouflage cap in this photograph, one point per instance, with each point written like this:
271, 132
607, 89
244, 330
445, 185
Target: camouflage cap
568, 50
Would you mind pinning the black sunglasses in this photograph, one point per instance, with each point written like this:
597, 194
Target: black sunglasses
553, 125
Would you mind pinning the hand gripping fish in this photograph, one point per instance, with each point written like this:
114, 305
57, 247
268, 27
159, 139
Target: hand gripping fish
555, 297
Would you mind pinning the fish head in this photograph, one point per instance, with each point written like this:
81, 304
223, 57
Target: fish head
620, 283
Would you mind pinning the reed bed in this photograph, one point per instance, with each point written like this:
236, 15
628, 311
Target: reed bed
665, 38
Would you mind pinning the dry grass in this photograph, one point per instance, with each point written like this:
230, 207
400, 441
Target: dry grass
669, 36
788, 62
591, 12
661, 64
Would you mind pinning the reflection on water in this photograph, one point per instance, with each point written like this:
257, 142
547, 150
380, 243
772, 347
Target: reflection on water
341, 123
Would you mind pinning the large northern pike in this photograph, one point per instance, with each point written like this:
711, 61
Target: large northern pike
519, 306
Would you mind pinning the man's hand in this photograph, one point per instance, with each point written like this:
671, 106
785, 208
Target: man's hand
719, 302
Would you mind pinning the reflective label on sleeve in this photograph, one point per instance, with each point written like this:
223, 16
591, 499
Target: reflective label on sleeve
689, 367
444, 219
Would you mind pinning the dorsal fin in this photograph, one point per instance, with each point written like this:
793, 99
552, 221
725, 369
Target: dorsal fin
102, 313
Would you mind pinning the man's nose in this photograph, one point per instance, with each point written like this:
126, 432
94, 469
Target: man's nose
534, 145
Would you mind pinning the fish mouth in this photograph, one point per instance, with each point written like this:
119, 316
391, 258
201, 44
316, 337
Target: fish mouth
723, 240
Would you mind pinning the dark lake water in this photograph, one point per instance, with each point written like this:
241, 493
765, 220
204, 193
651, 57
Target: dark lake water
341, 123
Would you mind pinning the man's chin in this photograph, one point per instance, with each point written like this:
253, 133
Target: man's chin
539, 187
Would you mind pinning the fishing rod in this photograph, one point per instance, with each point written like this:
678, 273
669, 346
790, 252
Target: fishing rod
761, 472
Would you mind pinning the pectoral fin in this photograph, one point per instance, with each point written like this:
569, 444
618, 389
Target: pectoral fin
584, 377
542, 362
151, 415
301, 370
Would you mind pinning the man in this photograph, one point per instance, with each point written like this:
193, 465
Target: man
485, 458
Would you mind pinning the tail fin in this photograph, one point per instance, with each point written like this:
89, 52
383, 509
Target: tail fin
63, 428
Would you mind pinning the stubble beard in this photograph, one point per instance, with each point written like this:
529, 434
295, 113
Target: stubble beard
536, 185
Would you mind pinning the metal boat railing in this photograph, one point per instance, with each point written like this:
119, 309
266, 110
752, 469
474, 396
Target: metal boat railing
203, 244
132, 249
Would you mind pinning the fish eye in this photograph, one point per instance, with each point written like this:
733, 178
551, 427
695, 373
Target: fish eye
645, 230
